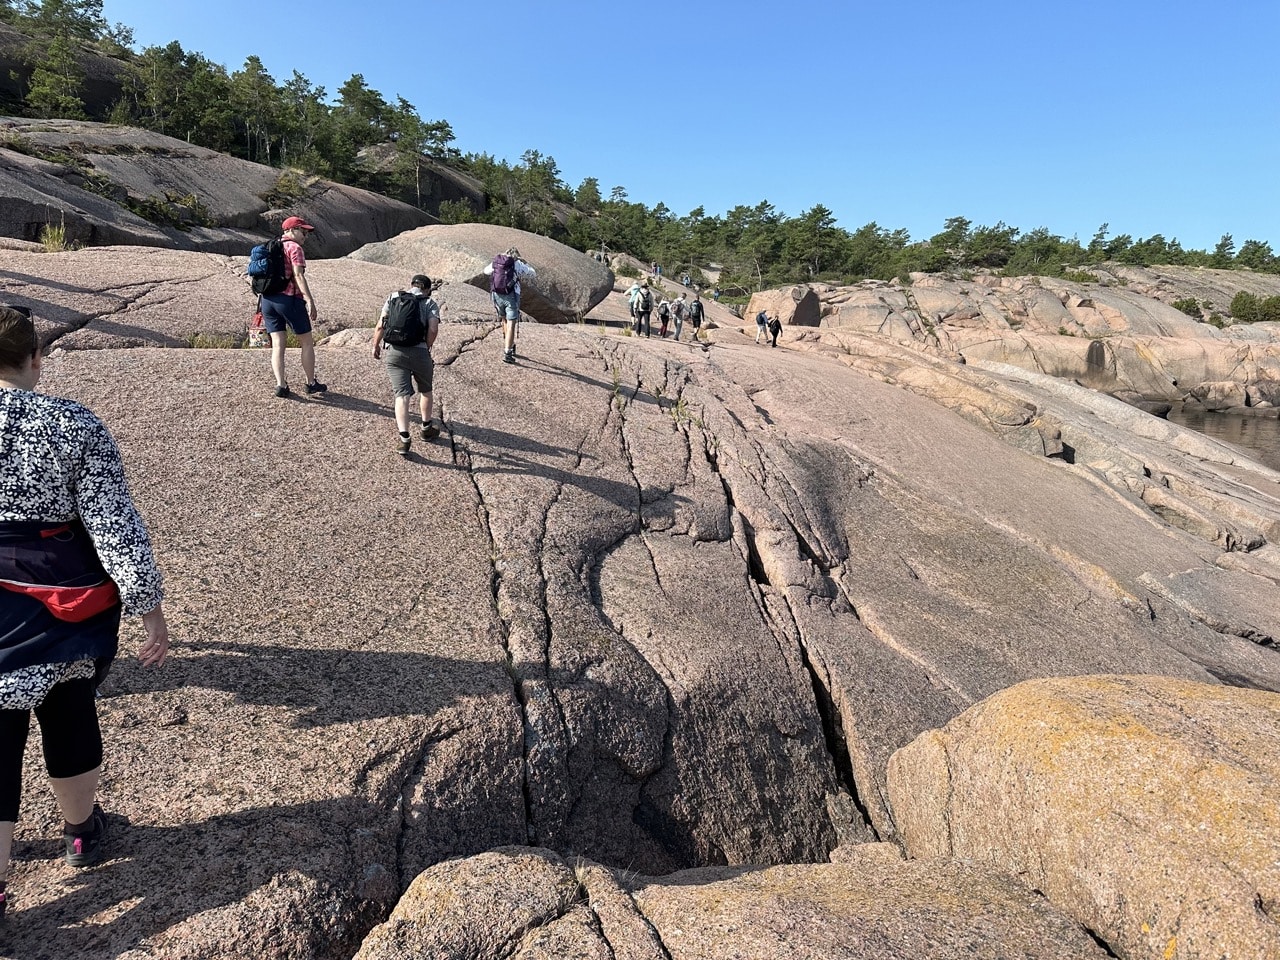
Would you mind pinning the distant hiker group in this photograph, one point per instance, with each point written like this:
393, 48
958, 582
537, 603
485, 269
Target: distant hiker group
671, 313
768, 328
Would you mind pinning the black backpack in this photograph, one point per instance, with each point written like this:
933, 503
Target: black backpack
404, 326
644, 302
266, 268
663, 311
695, 310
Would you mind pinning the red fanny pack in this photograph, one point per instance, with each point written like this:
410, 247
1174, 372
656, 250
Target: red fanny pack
64, 554
72, 604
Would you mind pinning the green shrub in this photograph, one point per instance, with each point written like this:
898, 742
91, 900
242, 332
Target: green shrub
1189, 306
1248, 308
290, 186
1079, 276
627, 270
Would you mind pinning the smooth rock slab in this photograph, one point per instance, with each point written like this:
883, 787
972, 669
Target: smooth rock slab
525, 903
1146, 807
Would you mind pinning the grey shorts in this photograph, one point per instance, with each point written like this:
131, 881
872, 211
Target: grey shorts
406, 365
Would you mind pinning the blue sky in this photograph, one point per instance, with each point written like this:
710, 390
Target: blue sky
1154, 117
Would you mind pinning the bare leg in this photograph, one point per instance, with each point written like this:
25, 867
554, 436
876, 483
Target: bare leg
75, 795
511, 335
402, 414
424, 407
278, 340
308, 343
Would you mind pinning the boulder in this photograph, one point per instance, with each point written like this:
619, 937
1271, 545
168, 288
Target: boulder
1218, 395
1145, 807
568, 283
794, 306
526, 903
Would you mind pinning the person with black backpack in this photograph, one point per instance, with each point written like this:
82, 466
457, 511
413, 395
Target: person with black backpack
642, 306
406, 330
696, 313
505, 273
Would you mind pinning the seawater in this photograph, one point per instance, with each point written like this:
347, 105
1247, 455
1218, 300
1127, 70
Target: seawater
1259, 437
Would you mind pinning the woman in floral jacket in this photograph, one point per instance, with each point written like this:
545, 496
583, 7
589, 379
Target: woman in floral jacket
73, 554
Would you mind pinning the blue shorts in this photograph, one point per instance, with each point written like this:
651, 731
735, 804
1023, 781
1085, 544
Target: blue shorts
280, 309
507, 305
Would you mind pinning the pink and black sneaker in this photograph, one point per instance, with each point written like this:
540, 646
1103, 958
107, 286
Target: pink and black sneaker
86, 848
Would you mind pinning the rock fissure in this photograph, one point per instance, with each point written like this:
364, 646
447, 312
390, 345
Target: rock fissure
504, 627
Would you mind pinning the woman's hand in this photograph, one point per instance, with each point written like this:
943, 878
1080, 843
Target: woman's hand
156, 646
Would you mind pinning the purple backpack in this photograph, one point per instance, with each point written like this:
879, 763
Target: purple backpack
504, 274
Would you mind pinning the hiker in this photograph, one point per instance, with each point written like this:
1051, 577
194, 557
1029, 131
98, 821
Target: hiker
294, 307
664, 315
715, 294
406, 330
641, 307
678, 311
505, 274
73, 553
762, 321
632, 292
775, 328
696, 314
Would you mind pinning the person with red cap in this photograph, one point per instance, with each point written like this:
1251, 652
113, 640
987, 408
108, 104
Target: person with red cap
293, 308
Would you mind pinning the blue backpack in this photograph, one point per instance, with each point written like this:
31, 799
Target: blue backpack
266, 267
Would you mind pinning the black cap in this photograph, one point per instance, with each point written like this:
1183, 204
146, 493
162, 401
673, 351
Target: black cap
421, 280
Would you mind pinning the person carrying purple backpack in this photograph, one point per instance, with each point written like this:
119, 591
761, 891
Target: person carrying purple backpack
505, 273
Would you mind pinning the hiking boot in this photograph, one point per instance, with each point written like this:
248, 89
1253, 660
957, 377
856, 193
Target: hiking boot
282, 390
402, 446
430, 431
509, 356
315, 386
87, 848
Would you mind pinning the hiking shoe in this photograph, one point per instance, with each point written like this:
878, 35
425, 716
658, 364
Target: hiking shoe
509, 356
315, 386
282, 391
86, 849
430, 431
402, 446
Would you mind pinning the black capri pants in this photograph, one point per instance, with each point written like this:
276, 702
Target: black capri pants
70, 733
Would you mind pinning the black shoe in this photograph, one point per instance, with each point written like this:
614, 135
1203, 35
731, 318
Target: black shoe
86, 849
402, 446
282, 391
315, 386
508, 357
430, 431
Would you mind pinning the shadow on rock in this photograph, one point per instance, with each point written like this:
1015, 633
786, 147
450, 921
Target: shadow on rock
322, 686
307, 880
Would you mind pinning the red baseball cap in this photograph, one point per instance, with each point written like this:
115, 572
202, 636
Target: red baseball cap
296, 223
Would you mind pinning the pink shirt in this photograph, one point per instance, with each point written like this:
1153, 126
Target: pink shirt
293, 258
